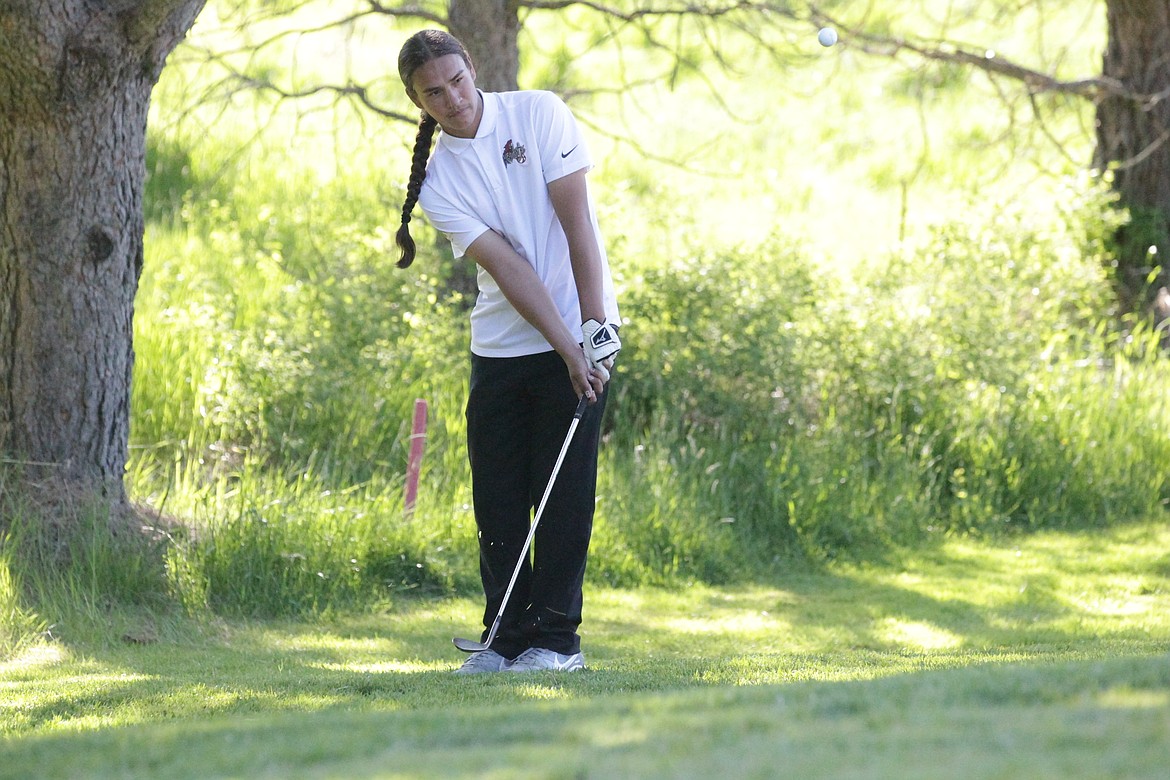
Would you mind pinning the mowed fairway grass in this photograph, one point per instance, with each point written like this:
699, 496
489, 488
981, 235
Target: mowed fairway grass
1043, 655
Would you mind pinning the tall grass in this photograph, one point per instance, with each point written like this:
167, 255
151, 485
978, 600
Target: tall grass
66, 569
295, 549
19, 626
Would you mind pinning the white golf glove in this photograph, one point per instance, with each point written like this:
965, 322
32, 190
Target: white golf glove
601, 345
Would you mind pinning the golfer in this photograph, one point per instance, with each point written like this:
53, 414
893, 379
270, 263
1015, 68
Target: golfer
507, 186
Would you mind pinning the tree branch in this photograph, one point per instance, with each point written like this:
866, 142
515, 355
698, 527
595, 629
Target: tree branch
407, 11
351, 90
358, 92
144, 22
1036, 82
689, 9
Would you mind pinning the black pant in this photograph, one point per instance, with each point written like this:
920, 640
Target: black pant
518, 414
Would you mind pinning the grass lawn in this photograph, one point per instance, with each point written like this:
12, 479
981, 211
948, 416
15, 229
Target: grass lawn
1041, 656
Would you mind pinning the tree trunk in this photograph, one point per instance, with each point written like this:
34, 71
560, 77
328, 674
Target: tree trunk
489, 30
75, 85
1133, 138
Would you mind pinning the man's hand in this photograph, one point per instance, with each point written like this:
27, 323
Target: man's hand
601, 345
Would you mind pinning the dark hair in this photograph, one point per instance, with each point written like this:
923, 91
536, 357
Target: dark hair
419, 49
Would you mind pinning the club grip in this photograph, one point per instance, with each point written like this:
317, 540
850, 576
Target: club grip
581, 404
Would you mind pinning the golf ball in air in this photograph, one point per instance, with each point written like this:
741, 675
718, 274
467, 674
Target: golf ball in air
827, 36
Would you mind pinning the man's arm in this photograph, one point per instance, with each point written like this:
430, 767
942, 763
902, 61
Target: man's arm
522, 287
570, 200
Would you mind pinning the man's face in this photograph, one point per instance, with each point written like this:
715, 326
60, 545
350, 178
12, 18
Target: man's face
445, 88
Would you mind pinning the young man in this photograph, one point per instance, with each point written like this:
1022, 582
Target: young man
507, 186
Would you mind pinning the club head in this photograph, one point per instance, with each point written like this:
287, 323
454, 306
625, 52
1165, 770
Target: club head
468, 646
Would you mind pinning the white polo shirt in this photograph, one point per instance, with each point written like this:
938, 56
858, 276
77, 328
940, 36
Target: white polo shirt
499, 181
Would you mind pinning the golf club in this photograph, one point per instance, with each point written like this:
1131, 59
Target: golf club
469, 646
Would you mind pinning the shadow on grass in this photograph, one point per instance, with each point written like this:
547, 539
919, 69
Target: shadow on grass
1067, 718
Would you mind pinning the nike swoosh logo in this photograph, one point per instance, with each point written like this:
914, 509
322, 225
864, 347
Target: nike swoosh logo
566, 154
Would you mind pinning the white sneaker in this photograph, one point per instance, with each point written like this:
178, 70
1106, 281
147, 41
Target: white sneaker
483, 662
538, 659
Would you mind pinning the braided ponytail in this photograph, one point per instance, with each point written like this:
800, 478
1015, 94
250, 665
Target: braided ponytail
418, 172
419, 49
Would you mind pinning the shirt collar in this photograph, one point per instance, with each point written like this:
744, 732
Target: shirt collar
487, 126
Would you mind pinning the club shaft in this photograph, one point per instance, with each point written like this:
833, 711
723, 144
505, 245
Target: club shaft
535, 522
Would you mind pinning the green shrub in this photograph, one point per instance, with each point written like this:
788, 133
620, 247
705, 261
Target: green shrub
720, 339
963, 386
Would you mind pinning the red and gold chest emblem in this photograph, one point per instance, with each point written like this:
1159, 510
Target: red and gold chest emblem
514, 153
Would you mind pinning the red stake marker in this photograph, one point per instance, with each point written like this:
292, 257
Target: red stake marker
418, 438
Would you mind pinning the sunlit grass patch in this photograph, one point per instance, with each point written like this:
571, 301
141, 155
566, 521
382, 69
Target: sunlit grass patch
1068, 719
919, 634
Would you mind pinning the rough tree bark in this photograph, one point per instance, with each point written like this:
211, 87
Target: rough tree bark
489, 30
75, 85
1133, 136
